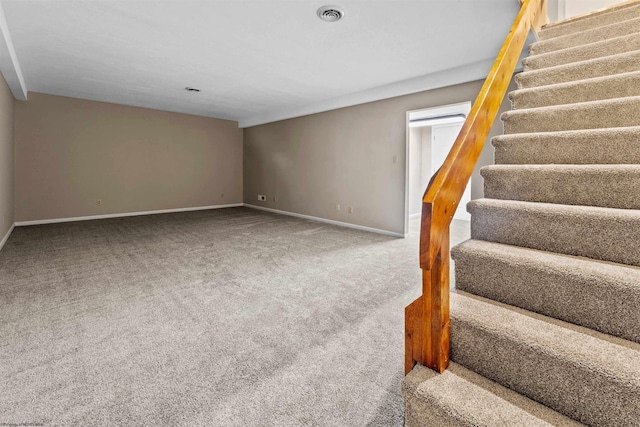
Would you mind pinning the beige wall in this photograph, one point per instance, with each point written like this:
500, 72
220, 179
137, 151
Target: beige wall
6, 158
72, 152
345, 156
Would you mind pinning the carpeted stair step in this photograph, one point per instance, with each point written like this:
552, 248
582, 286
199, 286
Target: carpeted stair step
600, 233
608, 113
587, 376
608, 87
609, 186
599, 49
460, 397
616, 29
599, 295
605, 66
593, 146
594, 20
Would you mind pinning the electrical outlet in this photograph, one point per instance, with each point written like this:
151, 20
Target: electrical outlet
222, 196
2, 219
98, 202
274, 199
350, 210
262, 198
338, 208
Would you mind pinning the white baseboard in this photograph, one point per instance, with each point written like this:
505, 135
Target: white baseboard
119, 215
328, 221
6, 237
201, 208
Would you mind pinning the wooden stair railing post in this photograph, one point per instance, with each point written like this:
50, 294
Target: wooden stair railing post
427, 321
435, 289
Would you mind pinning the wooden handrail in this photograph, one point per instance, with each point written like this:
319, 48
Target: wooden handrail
427, 318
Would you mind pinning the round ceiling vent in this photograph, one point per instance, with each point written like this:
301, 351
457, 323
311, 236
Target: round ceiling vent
330, 13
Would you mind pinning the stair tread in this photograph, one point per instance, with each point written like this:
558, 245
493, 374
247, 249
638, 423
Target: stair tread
601, 295
461, 395
615, 358
568, 169
612, 186
609, 113
608, 234
624, 276
581, 82
593, 146
553, 208
575, 106
580, 70
586, 90
627, 43
576, 133
588, 376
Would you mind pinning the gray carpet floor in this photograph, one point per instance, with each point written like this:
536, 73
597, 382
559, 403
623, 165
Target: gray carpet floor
230, 317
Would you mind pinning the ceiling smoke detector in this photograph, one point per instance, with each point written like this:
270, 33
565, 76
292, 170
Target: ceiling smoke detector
330, 13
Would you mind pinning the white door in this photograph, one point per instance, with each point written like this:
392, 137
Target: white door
442, 139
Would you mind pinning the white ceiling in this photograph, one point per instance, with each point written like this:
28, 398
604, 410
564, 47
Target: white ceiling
255, 61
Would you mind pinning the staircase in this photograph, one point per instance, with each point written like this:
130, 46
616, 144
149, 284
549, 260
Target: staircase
545, 319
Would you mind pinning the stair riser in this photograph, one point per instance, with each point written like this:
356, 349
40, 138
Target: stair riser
583, 53
570, 289
590, 22
616, 187
589, 36
609, 88
570, 389
605, 114
599, 235
606, 66
608, 147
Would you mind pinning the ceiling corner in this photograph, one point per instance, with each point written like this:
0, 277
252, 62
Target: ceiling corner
9, 65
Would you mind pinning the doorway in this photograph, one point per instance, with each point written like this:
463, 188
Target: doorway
431, 133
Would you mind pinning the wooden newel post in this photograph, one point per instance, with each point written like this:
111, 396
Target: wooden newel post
435, 291
427, 318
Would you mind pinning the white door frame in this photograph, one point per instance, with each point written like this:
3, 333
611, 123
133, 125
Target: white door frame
442, 110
